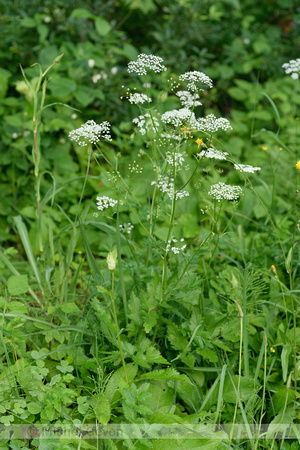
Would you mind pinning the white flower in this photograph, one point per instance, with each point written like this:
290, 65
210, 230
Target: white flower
47, 19
293, 68
245, 168
222, 191
175, 159
145, 62
178, 117
166, 185
212, 153
105, 202
211, 124
126, 228
96, 78
14, 135
176, 250
145, 122
91, 63
114, 70
187, 99
74, 116
195, 77
139, 98
91, 132
171, 136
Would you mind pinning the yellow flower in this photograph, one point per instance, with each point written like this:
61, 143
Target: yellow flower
298, 165
280, 149
272, 350
264, 148
199, 142
273, 268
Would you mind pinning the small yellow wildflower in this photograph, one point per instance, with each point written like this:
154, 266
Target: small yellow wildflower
199, 142
272, 350
280, 149
264, 148
273, 268
298, 165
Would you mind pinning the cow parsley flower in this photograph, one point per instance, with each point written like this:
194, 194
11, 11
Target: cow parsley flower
146, 122
126, 228
91, 132
175, 159
137, 98
176, 250
293, 68
166, 185
222, 191
194, 78
187, 99
245, 168
212, 153
146, 62
178, 117
105, 202
211, 124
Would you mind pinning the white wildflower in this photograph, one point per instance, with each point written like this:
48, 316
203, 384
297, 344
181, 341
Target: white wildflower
187, 99
91, 63
245, 168
211, 124
14, 135
293, 68
175, 249
175, 137
47, 19
114, 70
74, 116
146, 62
166, 185
96, 78
137, 98
146, 122
105, 202
212, 153
91, 132
126, 228
222, 191
175, 159
178, 117
195, 77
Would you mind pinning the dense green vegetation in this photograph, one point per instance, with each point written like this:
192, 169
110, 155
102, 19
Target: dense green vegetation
140, 296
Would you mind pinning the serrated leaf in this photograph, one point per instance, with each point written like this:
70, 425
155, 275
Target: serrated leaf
153, 355
166, 374
101, 407
17, 284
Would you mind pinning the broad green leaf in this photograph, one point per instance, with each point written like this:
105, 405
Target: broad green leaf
102, 26
34, 408
17, 284
81, 13
61, 87
165, 374
101, 407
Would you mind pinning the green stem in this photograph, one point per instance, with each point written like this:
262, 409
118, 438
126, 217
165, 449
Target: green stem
117, 325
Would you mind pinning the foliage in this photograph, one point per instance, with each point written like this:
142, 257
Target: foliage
164, 306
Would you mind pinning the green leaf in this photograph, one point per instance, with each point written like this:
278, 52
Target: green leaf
61, 87
247, 389
101, 407
285, 354
68, 307
237, 94
165, 374
34, 408
79, 13
17, 284
102, 26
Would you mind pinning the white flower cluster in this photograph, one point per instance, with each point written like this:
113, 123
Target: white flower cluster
90, 132
175, 159
145, 122
137, 98
175, 137
126, 228
188, 100
195, 77
175, 249
145, 62
105, 202
293, 68
165, 185
212, 153
245, 168
222, 191
178, 117
211, 124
